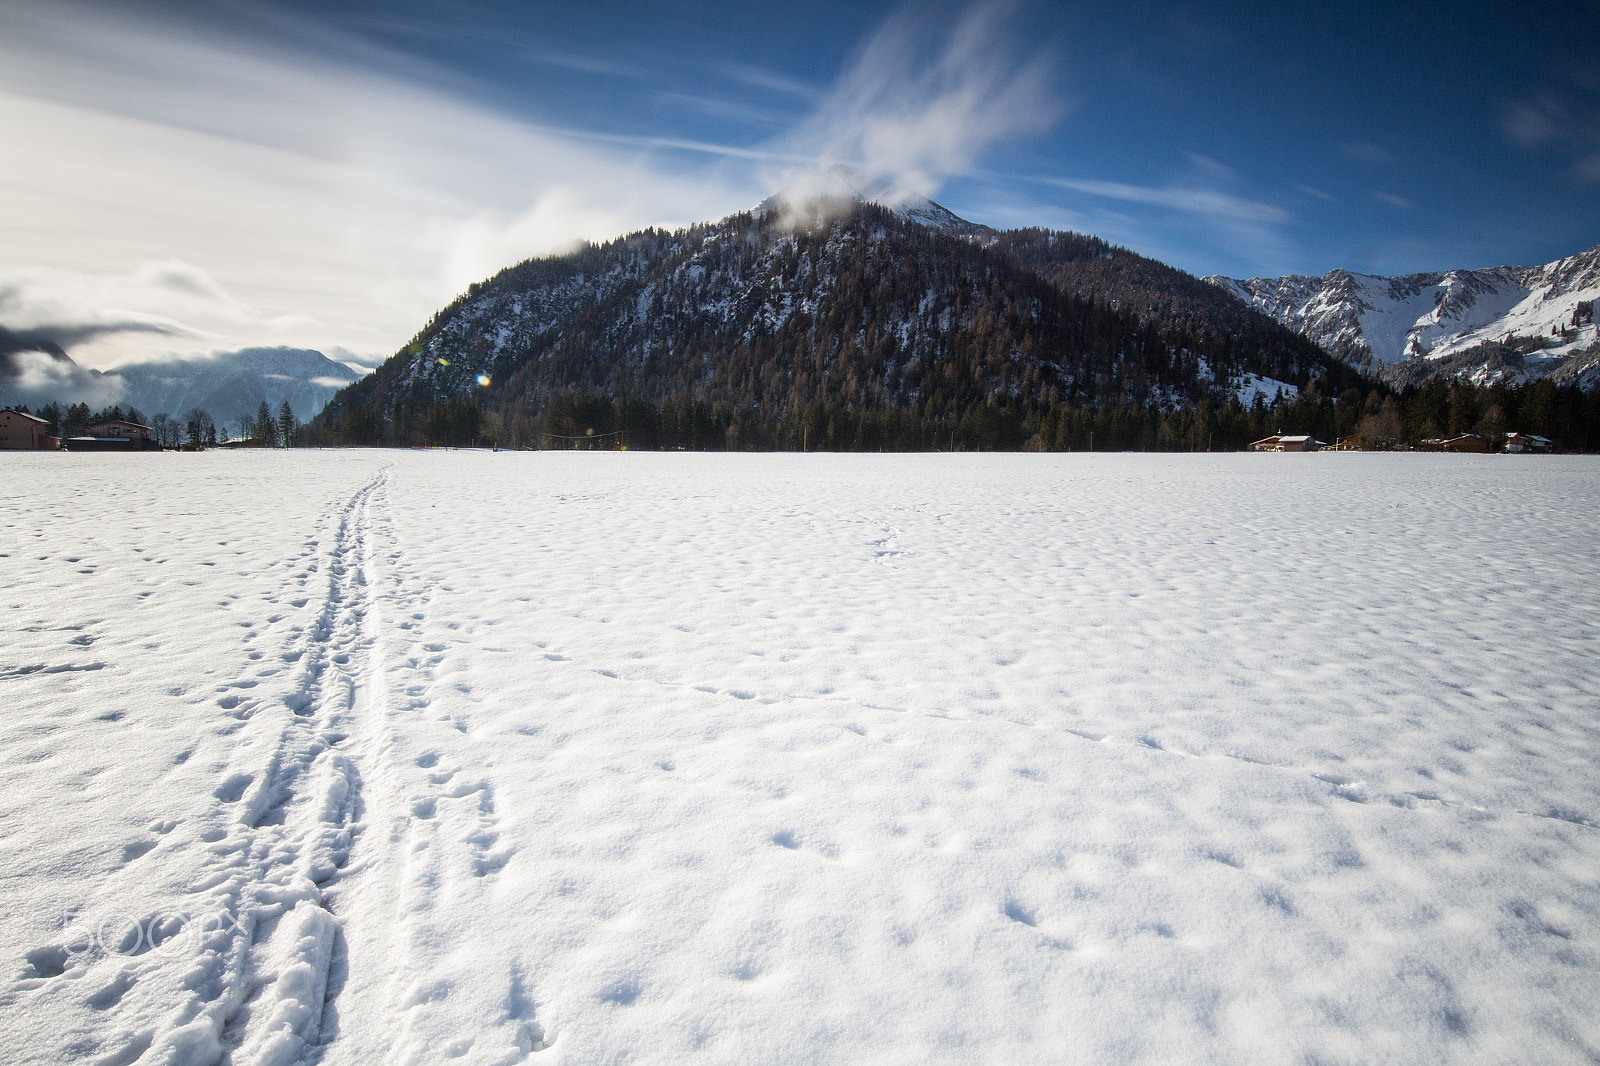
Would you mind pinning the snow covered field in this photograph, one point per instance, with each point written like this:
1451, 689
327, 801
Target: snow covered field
403, 757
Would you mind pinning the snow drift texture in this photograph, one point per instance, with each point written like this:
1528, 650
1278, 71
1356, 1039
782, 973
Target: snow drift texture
604, 757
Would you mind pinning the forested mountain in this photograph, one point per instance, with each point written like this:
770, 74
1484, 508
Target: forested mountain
906, 313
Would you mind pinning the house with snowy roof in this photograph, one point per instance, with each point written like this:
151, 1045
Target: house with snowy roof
1528, 442
1467, 442
1278, 442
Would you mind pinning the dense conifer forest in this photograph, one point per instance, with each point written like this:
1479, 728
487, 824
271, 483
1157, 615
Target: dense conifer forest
1381, 418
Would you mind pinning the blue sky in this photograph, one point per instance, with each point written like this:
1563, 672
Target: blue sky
328, 174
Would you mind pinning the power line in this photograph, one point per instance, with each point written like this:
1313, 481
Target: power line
586, 436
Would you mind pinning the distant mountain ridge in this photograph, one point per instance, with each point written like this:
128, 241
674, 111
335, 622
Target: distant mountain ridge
234, 384
228, 385
1508, 323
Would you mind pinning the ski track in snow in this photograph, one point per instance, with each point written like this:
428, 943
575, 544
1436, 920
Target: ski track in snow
233, 962
368, 757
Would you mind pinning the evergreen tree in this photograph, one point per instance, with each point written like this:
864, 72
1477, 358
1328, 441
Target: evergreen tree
286, 425
266, 430
76, 421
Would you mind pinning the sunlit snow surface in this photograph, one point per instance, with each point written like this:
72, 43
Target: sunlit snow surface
362, 757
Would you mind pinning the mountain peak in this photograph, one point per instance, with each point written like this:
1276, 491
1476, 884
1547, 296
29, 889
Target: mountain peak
822, 194
1505, 323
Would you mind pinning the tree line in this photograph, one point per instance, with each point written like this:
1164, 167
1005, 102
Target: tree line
1379, 416
195, 427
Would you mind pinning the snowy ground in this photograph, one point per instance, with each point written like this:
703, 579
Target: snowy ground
360, 757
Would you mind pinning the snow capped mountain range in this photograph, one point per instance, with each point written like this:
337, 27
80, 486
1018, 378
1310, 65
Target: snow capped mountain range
1505, 323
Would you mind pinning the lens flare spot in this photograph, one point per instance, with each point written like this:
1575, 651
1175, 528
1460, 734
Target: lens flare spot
483, 379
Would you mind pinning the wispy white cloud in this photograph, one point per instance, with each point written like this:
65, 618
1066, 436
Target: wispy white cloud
1210, 167
1173, 216
62, 308
740, 110
289, 185
585, 64
1192, 200
1313, 192
1535, 122
767, 81
98, 315
917, 107
1567, 123
1392, 200
343, 201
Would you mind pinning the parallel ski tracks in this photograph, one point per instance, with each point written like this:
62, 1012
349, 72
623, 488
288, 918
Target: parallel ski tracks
289, 811
334, 840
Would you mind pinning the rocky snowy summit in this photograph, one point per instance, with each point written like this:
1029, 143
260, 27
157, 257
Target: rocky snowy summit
1506, 323
839, 187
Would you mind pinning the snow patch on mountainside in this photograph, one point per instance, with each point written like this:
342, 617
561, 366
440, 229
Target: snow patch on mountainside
1252, 386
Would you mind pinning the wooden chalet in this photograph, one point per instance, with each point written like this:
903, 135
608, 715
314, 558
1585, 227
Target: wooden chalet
25, 433
1367, 444
114, 436
1467, 442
